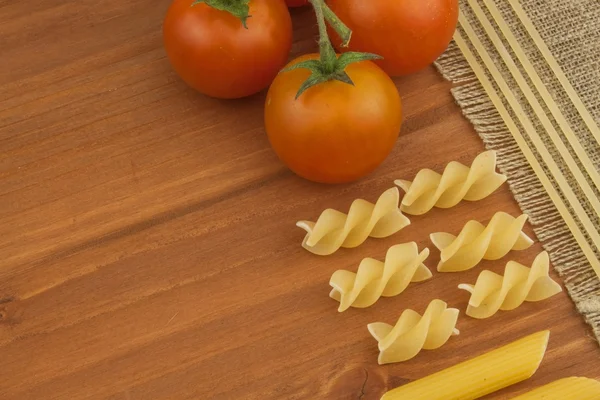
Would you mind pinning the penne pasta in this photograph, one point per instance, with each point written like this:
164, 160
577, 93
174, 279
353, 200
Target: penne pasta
575, 388
481, 375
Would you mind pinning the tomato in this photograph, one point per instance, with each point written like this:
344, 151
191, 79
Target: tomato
334, 132
408, 34
212, 51
296, 3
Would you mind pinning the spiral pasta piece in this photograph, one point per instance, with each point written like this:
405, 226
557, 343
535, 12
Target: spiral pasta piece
403, 264
476, 242
493, 292
335, 229
414, 332
430, 189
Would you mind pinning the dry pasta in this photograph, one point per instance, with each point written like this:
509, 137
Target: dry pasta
335, 229
430, 189
493, 292
481, 375
568, 388
403, 264
414, 332
476, 242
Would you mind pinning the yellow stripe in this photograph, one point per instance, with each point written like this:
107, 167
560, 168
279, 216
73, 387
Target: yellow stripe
481, 375
539, 42
567, 388
539, 171
539, 111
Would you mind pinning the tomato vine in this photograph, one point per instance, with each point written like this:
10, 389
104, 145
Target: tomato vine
329, 66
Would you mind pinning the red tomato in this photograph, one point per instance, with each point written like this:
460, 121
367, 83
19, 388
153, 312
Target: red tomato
408, 34
296, 3
334, 132
213, 53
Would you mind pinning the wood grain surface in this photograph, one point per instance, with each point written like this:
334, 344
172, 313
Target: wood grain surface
147, 239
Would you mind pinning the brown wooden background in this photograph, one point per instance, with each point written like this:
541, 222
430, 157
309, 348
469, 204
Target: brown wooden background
147, 239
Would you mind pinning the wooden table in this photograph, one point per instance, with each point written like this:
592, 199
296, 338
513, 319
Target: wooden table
147, 239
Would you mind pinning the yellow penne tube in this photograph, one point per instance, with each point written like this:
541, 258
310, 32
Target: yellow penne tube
481, 375
567, 388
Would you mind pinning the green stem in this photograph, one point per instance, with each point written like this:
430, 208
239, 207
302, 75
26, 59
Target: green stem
326, 50
340, 28
329, 66
238, 8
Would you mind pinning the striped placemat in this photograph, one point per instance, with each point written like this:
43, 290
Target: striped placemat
530, 84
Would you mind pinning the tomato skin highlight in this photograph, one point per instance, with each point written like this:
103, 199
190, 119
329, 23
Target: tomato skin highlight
296, 3
408, 34
334, 132
213, 53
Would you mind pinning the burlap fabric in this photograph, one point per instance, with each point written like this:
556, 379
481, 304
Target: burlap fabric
571, 30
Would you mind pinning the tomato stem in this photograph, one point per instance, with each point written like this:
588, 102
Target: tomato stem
327, 52
238, 8
340, 28
328, 15
329, 67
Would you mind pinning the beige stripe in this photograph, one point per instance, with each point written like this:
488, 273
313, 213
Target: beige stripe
541, 45
558, 116
522, 143
531, 131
